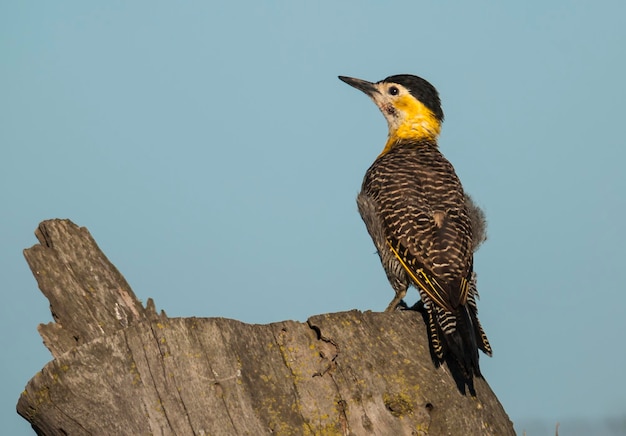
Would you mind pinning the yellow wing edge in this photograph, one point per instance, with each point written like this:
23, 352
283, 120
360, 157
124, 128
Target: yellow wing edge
430, 285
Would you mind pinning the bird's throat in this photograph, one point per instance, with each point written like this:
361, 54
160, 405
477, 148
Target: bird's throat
417, 130
411, 122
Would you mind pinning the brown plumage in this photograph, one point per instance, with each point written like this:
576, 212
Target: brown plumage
423, 225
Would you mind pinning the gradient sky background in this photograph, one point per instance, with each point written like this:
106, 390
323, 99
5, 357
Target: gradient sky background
215, 157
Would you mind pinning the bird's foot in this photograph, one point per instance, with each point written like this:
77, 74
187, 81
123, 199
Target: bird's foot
402, 306
395, 306
397, 301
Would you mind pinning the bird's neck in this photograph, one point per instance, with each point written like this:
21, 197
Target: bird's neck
420, 134
417, 125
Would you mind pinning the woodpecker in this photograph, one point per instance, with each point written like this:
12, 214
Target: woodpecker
425, 228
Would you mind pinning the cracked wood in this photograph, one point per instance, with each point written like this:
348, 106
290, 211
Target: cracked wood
120, 368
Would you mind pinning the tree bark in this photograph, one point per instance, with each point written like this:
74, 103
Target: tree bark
120, 368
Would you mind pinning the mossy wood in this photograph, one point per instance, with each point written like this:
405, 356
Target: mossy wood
120, 368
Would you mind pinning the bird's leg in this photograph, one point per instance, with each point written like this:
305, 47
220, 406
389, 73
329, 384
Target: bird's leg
400, 293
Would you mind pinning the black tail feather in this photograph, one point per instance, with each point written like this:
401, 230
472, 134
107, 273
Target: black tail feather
456, 337
462, 343
481, 337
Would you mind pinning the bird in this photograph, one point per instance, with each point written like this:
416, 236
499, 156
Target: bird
424, 226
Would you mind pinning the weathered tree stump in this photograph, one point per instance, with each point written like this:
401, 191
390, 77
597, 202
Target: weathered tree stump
120, 368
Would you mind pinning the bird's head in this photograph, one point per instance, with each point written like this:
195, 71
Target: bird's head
410, 104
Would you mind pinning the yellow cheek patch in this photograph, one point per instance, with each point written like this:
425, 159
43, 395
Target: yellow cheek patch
418, 122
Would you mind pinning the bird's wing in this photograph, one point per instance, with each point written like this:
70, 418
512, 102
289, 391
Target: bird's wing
439, 293
435, 253
423, 211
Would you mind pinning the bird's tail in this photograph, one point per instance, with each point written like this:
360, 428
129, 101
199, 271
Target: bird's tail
481, 337
458, 335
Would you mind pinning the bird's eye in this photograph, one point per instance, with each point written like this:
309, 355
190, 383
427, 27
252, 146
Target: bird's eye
393, 90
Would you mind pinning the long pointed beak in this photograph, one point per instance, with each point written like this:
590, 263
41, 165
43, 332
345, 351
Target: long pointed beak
362, 85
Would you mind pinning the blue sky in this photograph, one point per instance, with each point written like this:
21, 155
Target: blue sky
215, 157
